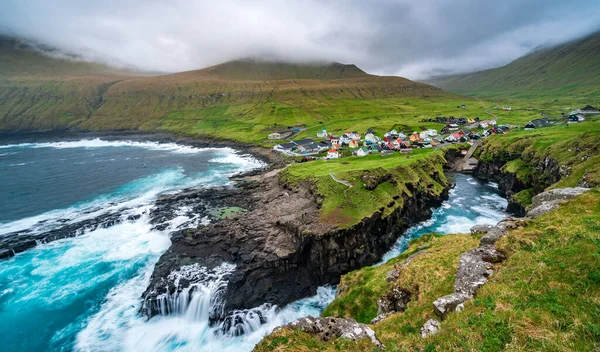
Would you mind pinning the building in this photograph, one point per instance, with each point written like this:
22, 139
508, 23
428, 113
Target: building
322, 133
285, 147
537, 123
275, 135
506, 108
333, 154
362, 151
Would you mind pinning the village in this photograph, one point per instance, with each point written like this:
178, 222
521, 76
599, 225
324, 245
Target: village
328, 145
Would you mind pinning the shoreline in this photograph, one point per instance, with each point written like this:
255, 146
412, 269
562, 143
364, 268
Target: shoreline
272, 160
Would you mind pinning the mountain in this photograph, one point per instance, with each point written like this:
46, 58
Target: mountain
571, 68
235, 100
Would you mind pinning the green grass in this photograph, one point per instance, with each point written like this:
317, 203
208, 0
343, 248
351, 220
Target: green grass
378, 183
544, 297
569, 71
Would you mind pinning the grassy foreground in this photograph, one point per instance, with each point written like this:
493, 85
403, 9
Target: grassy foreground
544, 297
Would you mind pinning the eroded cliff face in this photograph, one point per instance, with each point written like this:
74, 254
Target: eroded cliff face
280, 247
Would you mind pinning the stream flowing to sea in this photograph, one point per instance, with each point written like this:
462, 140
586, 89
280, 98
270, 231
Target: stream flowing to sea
83, 293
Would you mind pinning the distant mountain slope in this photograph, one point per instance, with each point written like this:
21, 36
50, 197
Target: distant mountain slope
570, 68
39, 92
267, 71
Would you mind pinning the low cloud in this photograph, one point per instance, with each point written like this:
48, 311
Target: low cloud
414, 39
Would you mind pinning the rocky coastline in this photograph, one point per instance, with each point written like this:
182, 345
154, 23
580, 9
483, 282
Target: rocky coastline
281, 249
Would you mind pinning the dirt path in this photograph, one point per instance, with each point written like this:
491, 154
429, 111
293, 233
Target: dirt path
345, 183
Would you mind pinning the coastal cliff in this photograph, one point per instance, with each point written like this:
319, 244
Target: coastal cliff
281, 247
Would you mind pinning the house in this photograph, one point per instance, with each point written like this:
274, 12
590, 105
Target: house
371, 138
375, 148
324, 145
352, 136
353, 144
304, 141
334, 140
506, 108
309, 148
322, 134
415, 137
452, 127
386, 152
333, 154
391, 134
362, 151
537, 123
285, 147
401, 135
275, 135
405, 145
424, 135
432, 133
576, 118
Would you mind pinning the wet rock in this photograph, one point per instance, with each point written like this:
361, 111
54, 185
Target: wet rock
6, 253
283, 252
394, 301
447, 304
431, 327
328, 329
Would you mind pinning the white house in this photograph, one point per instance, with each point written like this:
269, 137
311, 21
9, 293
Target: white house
401, 135
362, 151
424, 135
453, 127
370, 137
275, 135
322, 134
345, 139
333, 154
432, 132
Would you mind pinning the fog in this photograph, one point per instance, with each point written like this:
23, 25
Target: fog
414, 39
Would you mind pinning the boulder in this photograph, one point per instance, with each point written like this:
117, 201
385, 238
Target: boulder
480, 229
542, 209
394, 301
328, 329
555, 195
472, 271
490, 238
447, 304
431, 327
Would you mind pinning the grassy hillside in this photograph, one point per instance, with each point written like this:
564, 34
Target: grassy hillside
544, 297
239, 100
567, 70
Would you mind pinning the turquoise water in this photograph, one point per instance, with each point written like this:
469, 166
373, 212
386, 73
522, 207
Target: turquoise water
83, 293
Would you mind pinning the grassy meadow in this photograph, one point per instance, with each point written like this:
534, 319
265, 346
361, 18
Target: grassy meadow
544, 297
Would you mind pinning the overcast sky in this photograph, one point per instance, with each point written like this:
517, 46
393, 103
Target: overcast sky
411, 38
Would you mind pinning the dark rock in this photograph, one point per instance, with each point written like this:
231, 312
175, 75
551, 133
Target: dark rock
394, 301
282, 250
6, 253
329, 329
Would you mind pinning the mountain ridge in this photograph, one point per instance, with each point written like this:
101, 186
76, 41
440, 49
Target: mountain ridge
568, 68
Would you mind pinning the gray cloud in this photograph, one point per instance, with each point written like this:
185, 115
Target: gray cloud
409, 38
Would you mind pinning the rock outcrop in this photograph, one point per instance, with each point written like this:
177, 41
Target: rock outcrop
281, 249
328, 329
474, 268
431, 327
550, 200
